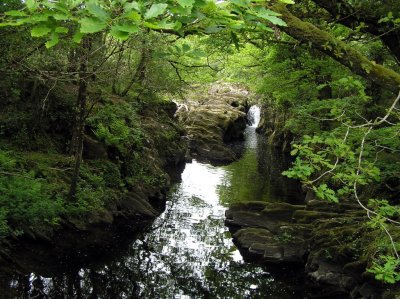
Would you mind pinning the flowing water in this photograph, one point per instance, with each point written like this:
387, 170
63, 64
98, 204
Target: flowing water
188, 252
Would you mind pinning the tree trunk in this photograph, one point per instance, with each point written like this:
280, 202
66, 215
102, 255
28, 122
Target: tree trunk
77, 142
338, 50
140, 72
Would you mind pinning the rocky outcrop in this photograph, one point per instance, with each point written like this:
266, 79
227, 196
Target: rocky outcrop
327, 240
214, 118
272, 124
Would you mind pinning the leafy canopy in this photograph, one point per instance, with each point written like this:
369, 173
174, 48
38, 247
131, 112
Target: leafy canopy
122, 18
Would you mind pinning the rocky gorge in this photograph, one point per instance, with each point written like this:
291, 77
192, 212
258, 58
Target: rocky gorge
327, 243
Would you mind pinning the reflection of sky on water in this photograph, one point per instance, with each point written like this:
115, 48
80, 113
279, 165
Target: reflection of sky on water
192, 229
201, 180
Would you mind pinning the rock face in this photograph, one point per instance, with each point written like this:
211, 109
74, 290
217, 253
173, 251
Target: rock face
327, 240
272, 124
212, 119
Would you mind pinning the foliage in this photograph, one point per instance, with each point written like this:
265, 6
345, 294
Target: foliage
28, 202
118, 126
122, 19
386, 269
336, 167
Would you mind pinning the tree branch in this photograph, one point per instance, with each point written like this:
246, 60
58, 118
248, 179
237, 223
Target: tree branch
338, 50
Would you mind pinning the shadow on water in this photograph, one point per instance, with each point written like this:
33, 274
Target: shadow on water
188, 252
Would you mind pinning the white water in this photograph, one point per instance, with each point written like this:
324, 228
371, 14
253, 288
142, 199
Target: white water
254, 116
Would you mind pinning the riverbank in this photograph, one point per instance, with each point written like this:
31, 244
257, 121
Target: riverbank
123, 184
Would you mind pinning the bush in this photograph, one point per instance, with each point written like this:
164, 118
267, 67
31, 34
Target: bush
118, 126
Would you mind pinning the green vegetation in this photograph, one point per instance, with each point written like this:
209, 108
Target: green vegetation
80, 77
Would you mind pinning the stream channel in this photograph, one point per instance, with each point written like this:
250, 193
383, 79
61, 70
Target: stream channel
188, 251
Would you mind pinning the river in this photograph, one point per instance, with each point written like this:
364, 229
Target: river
188, 251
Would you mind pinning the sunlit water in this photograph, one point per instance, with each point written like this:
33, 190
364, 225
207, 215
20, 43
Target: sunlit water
188, 252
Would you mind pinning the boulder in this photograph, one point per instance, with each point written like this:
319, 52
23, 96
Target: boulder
213, 119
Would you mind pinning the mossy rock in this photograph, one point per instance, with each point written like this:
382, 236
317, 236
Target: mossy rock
211, 121
304, 216
281, 211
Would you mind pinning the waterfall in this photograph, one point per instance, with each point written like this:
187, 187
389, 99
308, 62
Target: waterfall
253, 116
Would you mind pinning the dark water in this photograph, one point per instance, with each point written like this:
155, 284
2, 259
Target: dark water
188, 252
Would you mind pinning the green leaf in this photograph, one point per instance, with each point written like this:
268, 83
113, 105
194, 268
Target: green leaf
31, 4
92, 25
262, 12
73, 3
132, 15
178, 26
287, 1
242, 3
130, 28
40, 30
60, 16
164, 24
53, 41
151, 25
98, 11
186, 3
118, 34
43, 17
15, 13
132, 5
77, 38
61, 30
263, 27
155, 10
276, 21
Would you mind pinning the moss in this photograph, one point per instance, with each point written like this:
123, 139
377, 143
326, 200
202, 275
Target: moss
249, 236
304, 216
251, 206
281, 211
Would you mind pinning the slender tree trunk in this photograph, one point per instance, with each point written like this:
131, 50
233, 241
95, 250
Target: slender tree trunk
140, 72
114, 88
77, 142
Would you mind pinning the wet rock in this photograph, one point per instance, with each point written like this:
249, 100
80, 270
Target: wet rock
272, 124
214, 118
325, 238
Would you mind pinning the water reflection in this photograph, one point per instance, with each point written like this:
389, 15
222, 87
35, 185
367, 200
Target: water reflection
188, 253
257, 175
